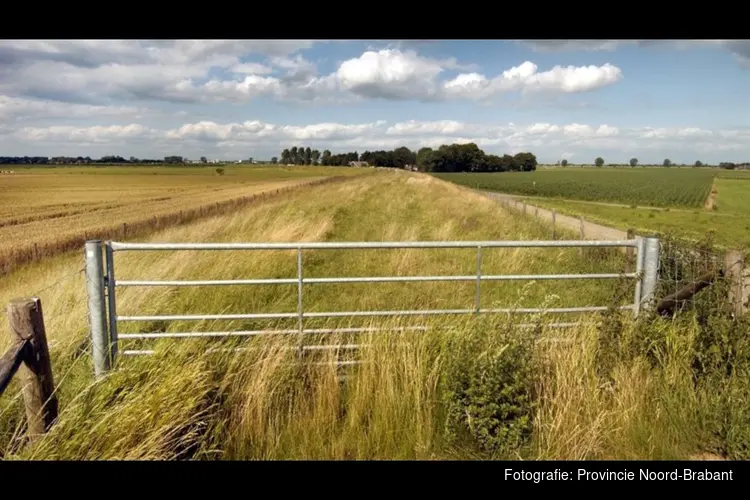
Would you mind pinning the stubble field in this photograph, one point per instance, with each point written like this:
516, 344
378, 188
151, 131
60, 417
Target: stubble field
45, 211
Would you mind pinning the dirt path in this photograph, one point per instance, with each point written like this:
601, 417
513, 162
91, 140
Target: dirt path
591, 231
711, 200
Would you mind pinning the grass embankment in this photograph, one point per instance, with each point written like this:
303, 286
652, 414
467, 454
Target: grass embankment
47, 211
476, 388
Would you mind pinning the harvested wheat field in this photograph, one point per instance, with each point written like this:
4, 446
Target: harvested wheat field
46, 211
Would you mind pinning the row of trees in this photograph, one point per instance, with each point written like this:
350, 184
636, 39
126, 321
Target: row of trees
599, 162
307, 156
446, 158
87, 160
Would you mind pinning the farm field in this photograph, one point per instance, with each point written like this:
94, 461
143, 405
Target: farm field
734, 174
728, 223
44, 210
579, 393
664, 187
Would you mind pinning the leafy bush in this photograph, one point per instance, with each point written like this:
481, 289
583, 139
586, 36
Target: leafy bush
488, 389
220, 171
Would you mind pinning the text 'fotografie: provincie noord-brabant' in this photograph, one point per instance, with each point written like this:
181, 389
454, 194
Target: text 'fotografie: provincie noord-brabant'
684, 474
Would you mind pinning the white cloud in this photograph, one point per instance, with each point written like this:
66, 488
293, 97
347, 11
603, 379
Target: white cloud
549, 142
205, 71
406, 75
251, 69
14, 109
739, 48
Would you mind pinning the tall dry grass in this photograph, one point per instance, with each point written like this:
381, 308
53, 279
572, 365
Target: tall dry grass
401, 401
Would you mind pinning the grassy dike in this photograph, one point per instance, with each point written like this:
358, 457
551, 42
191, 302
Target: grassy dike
477, 387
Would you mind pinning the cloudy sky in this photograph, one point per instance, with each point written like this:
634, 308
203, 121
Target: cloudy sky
578, 99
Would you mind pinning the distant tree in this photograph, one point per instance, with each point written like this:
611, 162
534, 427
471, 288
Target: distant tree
564, 163
274, 160
326, 158
315, 156
250, 160
204, 159
633, 162
423, 157
698, 163
667, 162
599, 162
293, 155
526, 161
307, 157
286, 157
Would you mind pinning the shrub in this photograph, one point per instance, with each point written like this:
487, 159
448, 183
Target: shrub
220, 171
488, 389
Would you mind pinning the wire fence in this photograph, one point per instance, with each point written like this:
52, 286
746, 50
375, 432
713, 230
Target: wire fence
685, 265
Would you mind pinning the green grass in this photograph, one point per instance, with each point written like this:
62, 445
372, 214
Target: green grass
734, 174
733, 195
640, 186
476, 387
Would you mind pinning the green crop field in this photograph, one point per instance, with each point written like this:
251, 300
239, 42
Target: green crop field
663, 187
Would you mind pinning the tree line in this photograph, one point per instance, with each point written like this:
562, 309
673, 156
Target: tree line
599, 162
87, 160
447, 158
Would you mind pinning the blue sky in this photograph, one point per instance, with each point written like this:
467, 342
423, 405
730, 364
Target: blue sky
229, 99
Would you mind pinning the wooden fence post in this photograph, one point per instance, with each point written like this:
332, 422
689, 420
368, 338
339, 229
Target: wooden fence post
27, 324
734, 267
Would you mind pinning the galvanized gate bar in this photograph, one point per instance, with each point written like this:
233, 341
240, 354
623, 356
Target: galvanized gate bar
347, 314
379, 279
118, 246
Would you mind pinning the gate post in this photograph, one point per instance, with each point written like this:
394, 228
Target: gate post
111, 303
97, 307
650, 272
640, 245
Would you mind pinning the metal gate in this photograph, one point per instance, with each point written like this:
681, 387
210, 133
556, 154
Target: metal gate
104, 319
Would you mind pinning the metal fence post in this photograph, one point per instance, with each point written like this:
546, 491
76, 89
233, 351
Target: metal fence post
97, 307
479, 278
639, 271
111, 302
299, 290
650, 271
